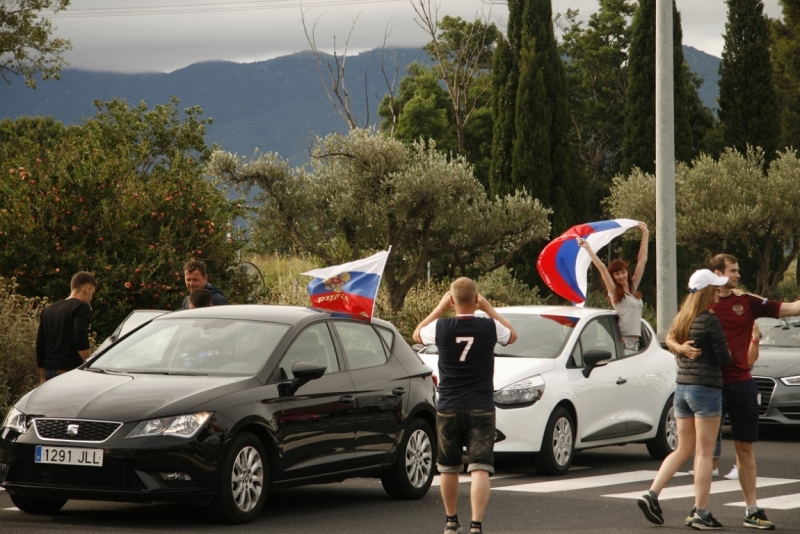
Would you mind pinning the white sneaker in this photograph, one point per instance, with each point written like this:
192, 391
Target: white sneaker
714, 472
733, 475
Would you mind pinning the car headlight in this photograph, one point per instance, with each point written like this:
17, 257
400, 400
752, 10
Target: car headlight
180, 426
791, 380
16, 420
525, 391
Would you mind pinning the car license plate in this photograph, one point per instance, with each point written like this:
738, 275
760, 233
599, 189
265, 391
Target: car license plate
69, 456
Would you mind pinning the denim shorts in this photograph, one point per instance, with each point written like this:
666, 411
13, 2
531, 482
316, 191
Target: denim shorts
697, 401
474, 429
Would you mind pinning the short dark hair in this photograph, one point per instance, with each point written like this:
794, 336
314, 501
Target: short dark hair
718, 262
195, 265
82, 278
200, 298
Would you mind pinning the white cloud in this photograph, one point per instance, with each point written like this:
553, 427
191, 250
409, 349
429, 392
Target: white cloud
188, 31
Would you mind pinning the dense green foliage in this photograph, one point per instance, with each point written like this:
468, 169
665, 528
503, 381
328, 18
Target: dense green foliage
748, 107
785, 53
122, 196
27, 45
366, 192
692, 119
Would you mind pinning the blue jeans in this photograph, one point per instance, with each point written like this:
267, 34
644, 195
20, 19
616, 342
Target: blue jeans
697, 401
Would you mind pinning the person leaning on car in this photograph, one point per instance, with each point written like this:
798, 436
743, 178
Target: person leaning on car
62, 341
195, 276
465, 410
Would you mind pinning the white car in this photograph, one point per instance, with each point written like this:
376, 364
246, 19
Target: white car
567, 384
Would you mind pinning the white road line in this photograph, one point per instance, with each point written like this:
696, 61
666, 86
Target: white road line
11, 509
466, 477
721, 486
782, 502
552, 486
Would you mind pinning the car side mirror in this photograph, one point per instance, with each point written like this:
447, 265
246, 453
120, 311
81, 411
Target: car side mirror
417, 347
594, 358
303, 373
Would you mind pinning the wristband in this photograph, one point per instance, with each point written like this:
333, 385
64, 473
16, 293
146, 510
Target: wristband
755, 340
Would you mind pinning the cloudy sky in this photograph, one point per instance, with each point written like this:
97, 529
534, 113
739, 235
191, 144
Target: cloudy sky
164, 35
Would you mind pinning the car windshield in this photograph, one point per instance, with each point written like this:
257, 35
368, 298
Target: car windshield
137, 319
780, 332
538, 336
194, 346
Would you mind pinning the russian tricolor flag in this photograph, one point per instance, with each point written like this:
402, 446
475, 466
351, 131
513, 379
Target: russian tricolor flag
563, 264
350, 287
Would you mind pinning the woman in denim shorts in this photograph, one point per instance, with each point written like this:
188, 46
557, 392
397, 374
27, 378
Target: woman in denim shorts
698, 399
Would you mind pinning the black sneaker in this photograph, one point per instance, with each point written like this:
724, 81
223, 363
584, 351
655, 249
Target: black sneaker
758, 520
705, 523
452, 528
651, 509
690, 517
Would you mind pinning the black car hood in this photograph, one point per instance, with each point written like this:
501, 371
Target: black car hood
123, 397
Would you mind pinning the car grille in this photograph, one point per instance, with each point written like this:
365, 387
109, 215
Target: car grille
791, 412
112, 475
89, 431
765, 387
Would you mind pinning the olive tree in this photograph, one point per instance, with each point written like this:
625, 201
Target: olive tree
726, 203
365, 191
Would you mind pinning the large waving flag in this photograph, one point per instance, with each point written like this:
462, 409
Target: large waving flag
350, 287
563, 264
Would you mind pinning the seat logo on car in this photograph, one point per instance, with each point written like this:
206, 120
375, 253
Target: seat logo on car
72, 430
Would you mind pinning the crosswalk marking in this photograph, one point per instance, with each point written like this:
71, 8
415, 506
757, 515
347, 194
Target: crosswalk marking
782, 502
552, 486
11, 509
720, 486
466, 477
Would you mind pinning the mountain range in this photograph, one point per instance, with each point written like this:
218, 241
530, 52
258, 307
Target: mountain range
278, 105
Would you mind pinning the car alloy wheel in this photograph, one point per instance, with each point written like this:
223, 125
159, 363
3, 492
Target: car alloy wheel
671, 429
666, 438
419, 458
562, 441
247, 479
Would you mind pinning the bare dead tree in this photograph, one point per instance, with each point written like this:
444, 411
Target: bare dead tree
457, 68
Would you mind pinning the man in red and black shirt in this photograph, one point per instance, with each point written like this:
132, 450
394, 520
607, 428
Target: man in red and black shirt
737, 311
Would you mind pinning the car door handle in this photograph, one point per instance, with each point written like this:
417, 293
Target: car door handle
621, 380
398, 391
346, 399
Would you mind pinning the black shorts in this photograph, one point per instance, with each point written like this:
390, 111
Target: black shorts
473, 428
741, 403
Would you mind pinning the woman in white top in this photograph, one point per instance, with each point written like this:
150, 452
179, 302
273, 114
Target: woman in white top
621, 287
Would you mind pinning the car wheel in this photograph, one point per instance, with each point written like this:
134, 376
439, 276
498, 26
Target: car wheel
666, 439
36, 505
558, 444
412, 473
242, 481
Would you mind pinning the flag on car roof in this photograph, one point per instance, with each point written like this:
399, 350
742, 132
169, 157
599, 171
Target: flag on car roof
351, 287
563, 263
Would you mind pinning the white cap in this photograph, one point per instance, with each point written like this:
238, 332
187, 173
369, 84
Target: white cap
702, 278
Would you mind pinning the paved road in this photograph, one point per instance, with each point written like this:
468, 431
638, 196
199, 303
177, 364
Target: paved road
597, 495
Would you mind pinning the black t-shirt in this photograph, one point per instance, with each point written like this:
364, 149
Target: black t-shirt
466, 362
63, 331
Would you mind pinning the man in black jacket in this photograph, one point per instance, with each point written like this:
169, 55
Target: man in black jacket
195, 276
62, 342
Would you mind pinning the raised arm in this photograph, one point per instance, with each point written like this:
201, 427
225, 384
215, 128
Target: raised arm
607, 280
444, 304
642, 259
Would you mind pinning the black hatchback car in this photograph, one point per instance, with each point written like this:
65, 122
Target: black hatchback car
220, 404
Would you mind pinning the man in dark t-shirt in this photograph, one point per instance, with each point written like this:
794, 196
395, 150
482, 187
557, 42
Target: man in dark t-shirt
62, 342
737, 311
465, 407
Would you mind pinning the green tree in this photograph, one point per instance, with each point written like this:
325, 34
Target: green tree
785, 53
692, 119
26, 42
123, 196
366, 191
748, 107
727, 205
596, 67
44, 132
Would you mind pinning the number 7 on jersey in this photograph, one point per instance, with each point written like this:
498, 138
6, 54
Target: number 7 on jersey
468, 340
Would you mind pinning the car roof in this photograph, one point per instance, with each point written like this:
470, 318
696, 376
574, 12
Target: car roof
263, 312
561, 311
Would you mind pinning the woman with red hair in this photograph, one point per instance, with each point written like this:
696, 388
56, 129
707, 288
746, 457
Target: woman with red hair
622, 290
